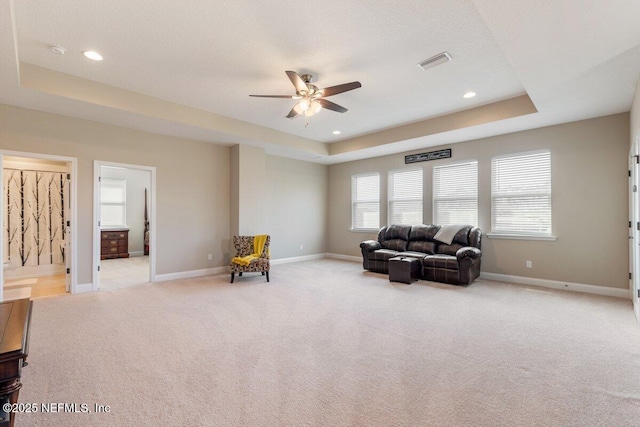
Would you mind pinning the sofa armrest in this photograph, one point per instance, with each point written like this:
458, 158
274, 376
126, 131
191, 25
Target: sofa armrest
468, 252
370, 245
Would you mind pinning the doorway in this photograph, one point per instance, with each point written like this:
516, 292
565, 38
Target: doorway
124, 209
37, 220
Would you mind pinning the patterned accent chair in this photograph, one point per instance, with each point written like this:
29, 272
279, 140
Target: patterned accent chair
244, 247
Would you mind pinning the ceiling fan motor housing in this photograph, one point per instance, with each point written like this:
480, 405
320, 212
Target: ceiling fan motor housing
311, 97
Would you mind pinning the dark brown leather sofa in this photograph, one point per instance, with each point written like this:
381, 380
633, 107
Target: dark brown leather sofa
457, 263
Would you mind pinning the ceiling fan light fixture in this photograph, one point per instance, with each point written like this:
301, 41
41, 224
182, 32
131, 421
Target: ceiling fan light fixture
310, 99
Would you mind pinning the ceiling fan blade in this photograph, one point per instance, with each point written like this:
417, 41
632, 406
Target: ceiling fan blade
331, 105
295, 111
272, 96
334, 90
299, 84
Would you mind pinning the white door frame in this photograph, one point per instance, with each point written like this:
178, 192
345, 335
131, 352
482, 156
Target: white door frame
72, 162
634, 232
97, 165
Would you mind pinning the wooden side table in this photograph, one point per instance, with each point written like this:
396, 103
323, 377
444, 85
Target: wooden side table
114, 243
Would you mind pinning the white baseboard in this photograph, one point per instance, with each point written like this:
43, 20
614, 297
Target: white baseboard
556, 284
297, 259
190, 274
82, 288
225, 269
345, 257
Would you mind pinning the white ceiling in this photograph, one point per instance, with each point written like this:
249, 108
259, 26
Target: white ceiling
186, 68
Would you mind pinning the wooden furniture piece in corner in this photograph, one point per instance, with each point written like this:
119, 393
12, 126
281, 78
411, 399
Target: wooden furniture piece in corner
15, 325
114, 243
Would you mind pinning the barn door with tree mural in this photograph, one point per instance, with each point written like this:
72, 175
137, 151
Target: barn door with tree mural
34, 221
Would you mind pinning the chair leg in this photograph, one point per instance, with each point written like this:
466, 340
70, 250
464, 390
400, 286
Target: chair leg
267, 275
263, 273
240, 274
232, 276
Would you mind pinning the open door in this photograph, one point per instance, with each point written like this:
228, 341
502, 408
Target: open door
634, 229
127, 210
67, 229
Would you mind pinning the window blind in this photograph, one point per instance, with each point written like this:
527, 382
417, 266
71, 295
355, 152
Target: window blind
455, 194
405, 197
113, 202
521, 194
365, 201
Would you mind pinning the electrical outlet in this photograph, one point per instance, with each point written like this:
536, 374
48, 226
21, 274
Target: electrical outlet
529, 264
210, 257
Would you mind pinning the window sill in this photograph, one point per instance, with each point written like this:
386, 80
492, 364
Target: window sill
364, 230
522, 237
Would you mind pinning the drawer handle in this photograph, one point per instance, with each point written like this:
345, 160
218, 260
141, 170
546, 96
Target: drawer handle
114, 249
122, 235
114, 242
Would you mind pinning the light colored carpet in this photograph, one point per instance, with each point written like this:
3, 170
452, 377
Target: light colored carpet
327, 344
120, 273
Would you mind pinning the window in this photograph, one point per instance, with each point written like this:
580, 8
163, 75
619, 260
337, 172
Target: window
521, 194
455, 194
405, 197
113, 202
365, 201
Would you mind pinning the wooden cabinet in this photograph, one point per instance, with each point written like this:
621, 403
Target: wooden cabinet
15, 327
114, 243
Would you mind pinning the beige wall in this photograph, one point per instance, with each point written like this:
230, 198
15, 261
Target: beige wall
635, 114
192, 183
284, 198
250, 190
296, 207
590, 201
308, 204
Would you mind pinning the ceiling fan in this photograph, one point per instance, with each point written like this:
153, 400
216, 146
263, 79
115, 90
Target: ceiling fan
311, 98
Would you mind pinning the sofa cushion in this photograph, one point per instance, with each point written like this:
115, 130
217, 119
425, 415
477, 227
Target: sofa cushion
449, 249
394, 244
441, 261
462, 236
397, 232
410, 254
382, 254
454, 234
423, 232
447, 233
423, 246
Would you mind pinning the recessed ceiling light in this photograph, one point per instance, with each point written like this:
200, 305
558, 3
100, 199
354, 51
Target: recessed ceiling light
92, 55
336, 132
469, 95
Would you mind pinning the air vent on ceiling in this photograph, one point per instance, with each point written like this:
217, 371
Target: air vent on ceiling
440, 58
